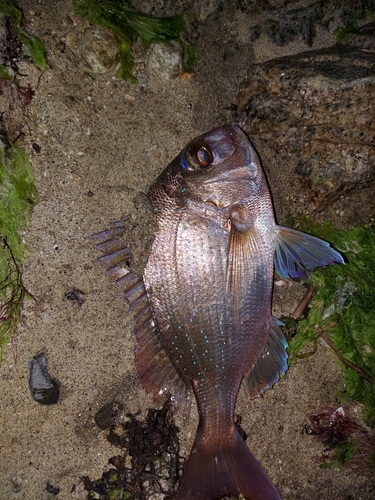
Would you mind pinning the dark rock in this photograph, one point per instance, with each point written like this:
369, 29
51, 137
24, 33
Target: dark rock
284, 27
75, 296
52, 489
108, 414
311, 118
44, 389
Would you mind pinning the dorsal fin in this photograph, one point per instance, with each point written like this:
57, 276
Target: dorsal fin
154, 367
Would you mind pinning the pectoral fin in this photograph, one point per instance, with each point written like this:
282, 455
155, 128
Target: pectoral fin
241, 269
296, 253
272, 363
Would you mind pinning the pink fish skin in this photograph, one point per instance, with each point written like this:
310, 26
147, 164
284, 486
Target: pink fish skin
203, 317
209, 282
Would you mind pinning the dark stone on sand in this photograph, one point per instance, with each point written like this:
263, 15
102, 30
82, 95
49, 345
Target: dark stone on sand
52, 489
44, 389
75, 296
108, 414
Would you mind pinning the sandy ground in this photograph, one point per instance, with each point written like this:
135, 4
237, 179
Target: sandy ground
103, 141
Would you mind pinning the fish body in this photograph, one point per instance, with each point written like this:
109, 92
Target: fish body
204, 319
209, 282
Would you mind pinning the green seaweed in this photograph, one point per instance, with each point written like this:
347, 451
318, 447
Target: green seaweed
4, 73
343, 310
360, 9
17, 195
128, 24
34, 46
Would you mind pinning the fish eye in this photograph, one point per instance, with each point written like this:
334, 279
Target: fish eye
199, 157
204, 156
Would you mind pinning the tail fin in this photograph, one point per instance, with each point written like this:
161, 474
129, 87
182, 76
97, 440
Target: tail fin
213, 473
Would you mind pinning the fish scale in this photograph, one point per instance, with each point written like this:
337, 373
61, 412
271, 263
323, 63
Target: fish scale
203, 312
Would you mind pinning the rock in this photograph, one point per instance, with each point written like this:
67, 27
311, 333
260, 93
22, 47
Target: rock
52, 489
311, 118
164, 62
44, 389
205, 8
108, 414
284, 26
95, 47
75, 296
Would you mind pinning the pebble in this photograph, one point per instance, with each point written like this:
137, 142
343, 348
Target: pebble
44, 389
164, 62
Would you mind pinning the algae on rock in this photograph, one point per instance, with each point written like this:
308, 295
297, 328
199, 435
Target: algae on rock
17, 195
128, 24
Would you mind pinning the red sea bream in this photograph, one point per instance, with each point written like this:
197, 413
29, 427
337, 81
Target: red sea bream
203, 308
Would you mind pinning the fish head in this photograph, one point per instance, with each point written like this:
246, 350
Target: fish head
220, 168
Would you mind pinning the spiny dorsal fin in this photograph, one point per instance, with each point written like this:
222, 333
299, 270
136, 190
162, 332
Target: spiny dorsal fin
154, 367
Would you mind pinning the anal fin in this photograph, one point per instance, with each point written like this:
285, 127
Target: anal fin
272, 363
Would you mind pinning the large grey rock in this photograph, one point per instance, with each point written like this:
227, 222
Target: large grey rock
311, 117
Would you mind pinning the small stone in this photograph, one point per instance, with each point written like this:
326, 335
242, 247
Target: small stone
187, 75
16, 484
75, 296
95, 47
108, 414
206, 8
98, 50
44, 389
164, 62
52, 489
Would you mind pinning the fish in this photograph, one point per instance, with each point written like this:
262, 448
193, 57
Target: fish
202, 309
